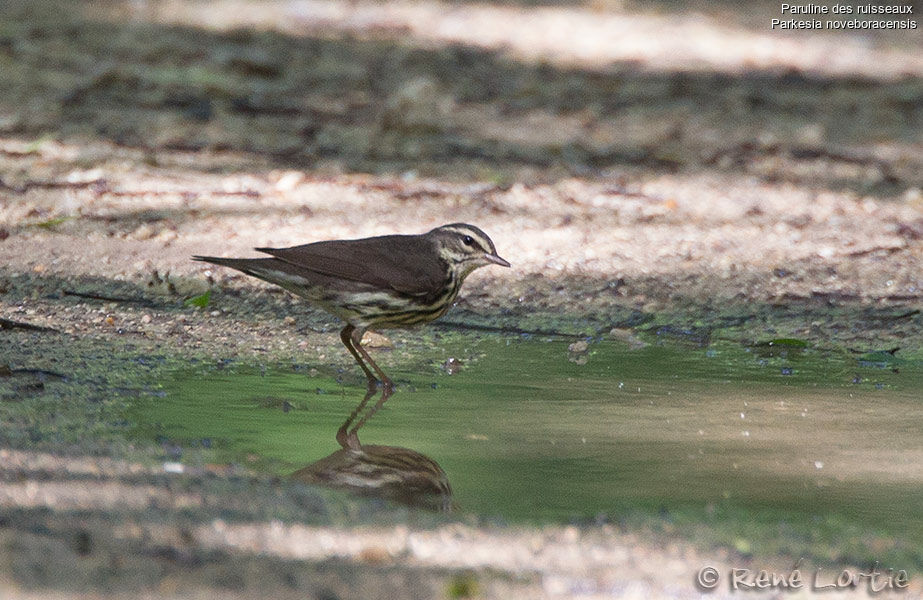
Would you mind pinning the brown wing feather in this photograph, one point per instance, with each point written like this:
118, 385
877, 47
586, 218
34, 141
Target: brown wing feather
406, 263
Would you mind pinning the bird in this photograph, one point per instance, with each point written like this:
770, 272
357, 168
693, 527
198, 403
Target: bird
399, 474
382, 282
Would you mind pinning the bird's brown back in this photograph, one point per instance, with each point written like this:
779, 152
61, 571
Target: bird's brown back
408, 264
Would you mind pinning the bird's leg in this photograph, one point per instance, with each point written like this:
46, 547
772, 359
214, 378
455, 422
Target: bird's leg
351, 337
350, 439
347, 335
353, 433
356, 338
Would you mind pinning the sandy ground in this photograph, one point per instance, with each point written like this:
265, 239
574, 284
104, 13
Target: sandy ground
723, 173
789, 260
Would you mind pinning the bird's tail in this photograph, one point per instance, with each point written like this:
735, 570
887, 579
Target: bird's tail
227, 262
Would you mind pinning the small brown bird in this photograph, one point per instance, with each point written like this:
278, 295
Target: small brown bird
399, 474
382, 282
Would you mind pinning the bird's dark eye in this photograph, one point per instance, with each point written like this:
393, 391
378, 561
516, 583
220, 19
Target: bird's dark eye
468, 240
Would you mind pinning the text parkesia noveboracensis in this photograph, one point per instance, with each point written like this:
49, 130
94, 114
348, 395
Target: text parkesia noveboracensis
376, 283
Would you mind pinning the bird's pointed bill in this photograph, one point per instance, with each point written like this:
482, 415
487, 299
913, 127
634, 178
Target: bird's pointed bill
494, 258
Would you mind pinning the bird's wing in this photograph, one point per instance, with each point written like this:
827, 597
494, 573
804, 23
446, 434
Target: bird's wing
404, 263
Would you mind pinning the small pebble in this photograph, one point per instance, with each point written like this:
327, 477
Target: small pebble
452, 366
376, 340
143, 232
167, 236
578, 347
289, 181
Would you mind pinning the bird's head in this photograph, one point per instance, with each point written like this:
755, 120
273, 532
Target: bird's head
465, 247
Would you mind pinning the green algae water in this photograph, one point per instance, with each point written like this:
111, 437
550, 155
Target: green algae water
767, 449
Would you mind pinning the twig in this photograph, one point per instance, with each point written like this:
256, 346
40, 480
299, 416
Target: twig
7, 324
48, 185
17, 153
513, 330
906, 315
42, 372
247, 193
143, 301
891, 351
874, 249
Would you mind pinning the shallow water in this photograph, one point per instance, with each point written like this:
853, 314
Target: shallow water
765, 449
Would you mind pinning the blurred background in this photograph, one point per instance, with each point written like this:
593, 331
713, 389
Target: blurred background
504, 91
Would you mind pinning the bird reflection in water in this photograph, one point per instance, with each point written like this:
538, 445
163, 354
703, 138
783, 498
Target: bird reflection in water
390, 472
